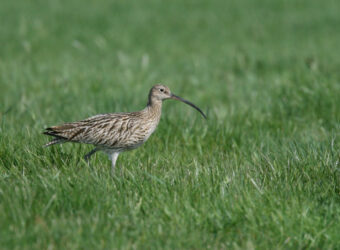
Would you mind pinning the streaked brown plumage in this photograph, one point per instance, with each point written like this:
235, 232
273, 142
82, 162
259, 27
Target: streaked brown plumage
116, 132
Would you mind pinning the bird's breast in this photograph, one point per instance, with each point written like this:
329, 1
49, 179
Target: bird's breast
151, 128
139, 133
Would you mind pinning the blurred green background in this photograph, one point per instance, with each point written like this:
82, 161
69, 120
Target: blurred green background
261, 173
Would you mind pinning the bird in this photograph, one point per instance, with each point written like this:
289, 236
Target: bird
114, 133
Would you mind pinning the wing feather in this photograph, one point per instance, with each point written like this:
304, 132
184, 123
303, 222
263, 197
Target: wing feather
117, 130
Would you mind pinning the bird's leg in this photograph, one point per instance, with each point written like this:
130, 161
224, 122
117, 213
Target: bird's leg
88, 155
113, 157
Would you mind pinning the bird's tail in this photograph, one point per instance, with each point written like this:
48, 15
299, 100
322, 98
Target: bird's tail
54, 141
63, 133
56, 137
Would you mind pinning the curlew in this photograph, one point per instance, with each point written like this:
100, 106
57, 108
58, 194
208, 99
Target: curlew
116, 132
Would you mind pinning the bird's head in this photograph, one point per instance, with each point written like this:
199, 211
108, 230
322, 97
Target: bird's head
159, 93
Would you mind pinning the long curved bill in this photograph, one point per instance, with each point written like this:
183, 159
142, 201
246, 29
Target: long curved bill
175, 97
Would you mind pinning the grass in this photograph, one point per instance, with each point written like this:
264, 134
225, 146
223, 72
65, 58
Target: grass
261, 173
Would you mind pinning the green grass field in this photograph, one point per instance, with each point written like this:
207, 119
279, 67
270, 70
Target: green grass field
261, 173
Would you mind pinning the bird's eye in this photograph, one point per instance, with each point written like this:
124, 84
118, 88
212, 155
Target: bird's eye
161, 90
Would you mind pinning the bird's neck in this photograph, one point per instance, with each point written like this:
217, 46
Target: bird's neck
154, 108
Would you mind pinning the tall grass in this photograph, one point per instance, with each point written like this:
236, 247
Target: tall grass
262, 172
